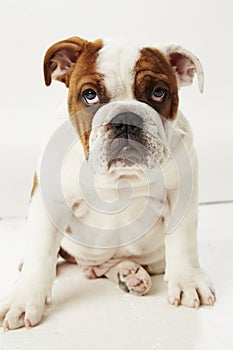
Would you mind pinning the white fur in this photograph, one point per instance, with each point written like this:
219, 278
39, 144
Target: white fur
117, 67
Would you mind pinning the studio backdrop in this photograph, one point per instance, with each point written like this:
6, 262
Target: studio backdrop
28, 28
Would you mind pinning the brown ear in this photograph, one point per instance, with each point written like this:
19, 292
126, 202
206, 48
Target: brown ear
185, 65
60, 59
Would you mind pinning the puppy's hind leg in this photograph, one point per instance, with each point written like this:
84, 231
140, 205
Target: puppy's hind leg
131, 277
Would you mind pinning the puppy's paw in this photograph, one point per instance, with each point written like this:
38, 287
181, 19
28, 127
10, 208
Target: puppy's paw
133, 278
191, 289
24, 306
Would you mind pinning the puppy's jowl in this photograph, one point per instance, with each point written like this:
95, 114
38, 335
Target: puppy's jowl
116, 189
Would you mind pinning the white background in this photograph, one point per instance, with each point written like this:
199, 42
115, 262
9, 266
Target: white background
28, 28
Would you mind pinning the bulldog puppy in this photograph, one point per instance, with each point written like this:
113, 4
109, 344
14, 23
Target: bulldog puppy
119, 196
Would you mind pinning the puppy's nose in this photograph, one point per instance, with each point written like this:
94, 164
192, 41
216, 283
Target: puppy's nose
126, 123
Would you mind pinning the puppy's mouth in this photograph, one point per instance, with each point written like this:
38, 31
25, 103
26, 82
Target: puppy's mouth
126, 152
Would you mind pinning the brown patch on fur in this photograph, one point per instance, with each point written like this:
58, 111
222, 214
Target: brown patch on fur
34, 186
85, 76
68, 229
153, 71
66, 256
20, 266
77, 59
75, 206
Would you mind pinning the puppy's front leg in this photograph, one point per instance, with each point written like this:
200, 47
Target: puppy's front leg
187, 283
26, 303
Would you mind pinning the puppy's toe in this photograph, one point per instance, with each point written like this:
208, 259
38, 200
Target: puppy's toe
14, 318
33, 314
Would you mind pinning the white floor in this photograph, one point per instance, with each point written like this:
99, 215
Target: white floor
91, 315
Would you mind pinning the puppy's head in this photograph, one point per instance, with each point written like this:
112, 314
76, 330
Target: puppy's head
121, 94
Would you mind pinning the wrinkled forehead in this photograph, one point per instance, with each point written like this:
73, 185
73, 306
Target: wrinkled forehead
119, 62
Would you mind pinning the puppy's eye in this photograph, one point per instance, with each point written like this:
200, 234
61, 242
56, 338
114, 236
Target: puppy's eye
159, 95
90, 97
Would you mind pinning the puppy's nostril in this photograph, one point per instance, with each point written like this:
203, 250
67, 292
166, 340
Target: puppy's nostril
119, 126
133, 127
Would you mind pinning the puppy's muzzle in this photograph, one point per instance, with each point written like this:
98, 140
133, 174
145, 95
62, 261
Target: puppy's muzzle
126, 134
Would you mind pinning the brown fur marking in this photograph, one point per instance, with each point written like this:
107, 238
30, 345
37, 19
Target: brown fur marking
80, 56
66, 256
84, 76
34, 186
68, 229
152, 71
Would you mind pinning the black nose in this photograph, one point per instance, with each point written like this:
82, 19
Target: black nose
126, 123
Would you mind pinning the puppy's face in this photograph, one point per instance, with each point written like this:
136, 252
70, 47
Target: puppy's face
120, 94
